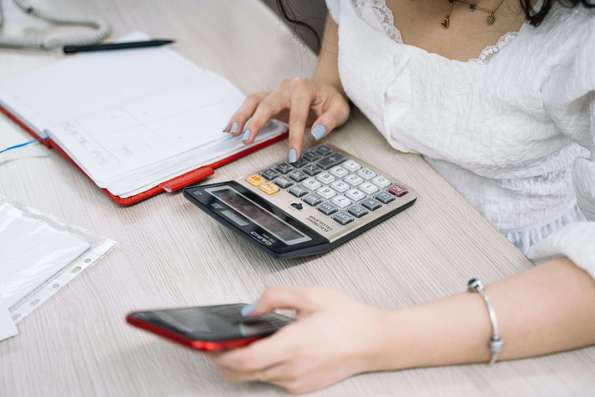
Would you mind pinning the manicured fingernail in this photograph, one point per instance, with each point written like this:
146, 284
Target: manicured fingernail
292, 155
246, 310
318, 131
235, 127
246, 136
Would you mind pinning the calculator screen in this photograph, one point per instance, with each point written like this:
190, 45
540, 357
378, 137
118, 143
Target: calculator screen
258, 215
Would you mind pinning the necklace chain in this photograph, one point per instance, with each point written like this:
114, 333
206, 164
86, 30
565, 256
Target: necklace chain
473, 6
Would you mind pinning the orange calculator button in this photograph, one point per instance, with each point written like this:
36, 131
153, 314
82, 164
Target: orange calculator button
255, 180
269, 188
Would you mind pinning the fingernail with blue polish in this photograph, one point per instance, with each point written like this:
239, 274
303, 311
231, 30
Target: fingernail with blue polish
292, 155
246, 136
318, 131
235, 127
246, 310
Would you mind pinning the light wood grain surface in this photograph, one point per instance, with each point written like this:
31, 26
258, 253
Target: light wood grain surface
171, 254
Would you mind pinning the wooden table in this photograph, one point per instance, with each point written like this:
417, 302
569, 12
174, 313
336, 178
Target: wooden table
171, 254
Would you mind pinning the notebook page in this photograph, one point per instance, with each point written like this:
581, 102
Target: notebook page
119, 112
114, 141
81, 84
191, 160
131, 119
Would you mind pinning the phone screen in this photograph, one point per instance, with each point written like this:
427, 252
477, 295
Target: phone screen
214, 323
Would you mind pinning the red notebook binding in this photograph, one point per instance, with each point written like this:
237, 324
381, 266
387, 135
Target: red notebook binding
189, 178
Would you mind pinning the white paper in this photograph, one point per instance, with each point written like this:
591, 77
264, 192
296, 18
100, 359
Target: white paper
31, 252
7, 326
130, 119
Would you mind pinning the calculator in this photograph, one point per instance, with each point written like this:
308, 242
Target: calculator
307, 207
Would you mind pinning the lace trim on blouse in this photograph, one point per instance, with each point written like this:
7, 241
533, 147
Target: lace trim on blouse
387, 21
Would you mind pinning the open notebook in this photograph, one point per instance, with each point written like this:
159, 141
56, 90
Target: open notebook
136, 122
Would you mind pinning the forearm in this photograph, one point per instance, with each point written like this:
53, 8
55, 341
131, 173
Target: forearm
327, 70
546, 309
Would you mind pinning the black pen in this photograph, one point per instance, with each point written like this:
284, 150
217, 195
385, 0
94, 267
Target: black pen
73, 49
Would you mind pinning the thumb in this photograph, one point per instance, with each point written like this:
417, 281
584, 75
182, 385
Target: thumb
291, 298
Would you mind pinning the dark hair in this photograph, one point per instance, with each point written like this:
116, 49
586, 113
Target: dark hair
535, 17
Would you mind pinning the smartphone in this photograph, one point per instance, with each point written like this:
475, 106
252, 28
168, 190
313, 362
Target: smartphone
208, 328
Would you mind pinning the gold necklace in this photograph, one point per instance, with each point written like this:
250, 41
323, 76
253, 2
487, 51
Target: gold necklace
490, 20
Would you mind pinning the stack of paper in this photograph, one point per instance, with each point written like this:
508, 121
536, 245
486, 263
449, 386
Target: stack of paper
131, 119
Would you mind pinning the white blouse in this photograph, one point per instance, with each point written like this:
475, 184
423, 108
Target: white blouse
512, 130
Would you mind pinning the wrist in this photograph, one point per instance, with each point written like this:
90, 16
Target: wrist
450, 331
393, 346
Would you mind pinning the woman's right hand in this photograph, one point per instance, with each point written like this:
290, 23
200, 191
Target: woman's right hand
305, 100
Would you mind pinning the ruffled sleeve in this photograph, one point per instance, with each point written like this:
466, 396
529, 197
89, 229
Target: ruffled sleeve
569, 99
334, 8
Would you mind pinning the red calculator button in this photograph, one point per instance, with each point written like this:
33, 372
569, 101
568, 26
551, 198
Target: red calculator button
398, 190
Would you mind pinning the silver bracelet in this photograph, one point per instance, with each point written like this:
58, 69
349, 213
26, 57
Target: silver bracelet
495, 344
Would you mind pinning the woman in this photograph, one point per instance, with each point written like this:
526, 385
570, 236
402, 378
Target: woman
509, 120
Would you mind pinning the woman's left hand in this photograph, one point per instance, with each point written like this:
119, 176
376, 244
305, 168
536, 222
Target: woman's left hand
333, 338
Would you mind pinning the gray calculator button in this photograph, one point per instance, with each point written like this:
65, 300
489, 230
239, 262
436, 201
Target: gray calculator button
298, 191
371, 204
368, 188
343, 217
341, 201
311, 183
298, 175
325, 178
312, 169
352, 165
355, 194
299, 163
311, 155
323, 150
353, 180
358, 211
283, 182
327, 208
326, 192
339, 171
284, 167
381, 181
366, 173
384, 197
270, 174
340, 186
330, 161
312, 199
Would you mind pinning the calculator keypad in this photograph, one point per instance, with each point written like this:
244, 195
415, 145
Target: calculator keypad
312, 199
338, 187
341, 201
326, 192
325, 178
311, 184
298, 191
298, 175
355, 194
283, 182
269, 188
284, 168
255, 180
270, 174
358, 211
343, 218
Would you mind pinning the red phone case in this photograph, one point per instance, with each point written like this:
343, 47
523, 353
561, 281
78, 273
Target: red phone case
202, 345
